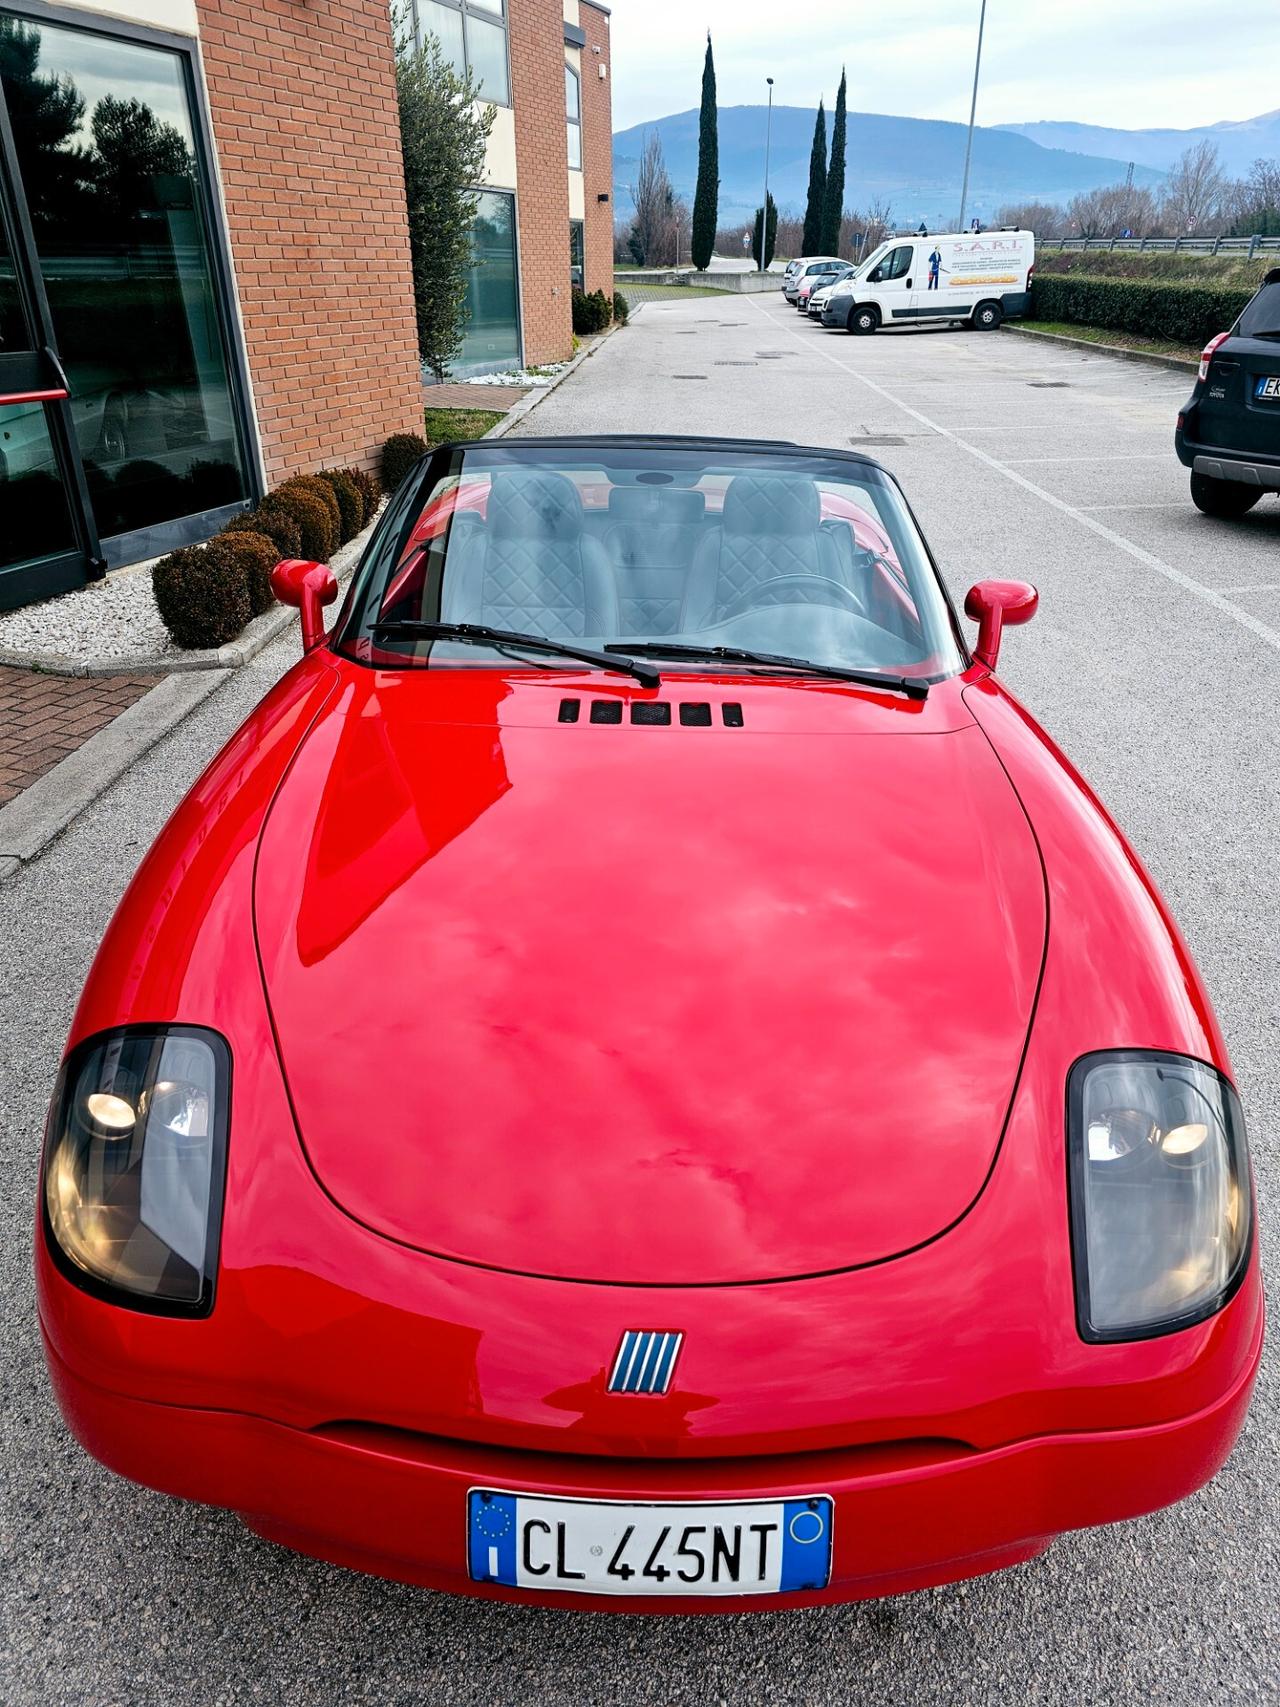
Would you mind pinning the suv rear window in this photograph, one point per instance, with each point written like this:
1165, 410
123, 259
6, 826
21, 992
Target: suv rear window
1261, 319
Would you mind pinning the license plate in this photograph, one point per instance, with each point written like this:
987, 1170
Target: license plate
614, 1547
1267, 390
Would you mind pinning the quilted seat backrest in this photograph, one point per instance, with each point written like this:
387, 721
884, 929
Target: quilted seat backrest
531, 567
771, 527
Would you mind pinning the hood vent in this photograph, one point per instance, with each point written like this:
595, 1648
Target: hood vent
693, 714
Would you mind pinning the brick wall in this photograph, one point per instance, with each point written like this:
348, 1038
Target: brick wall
542, 149
303, 103
597, 149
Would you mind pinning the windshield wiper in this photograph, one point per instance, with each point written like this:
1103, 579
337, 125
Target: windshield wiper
775, 661
483, 635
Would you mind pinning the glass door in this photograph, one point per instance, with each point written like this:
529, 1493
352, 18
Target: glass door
119, 284
45, 548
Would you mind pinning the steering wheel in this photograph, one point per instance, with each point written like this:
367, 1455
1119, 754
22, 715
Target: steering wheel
750, 599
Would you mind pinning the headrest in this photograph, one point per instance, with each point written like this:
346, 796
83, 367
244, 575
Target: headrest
655, 504
771, 504
532, 504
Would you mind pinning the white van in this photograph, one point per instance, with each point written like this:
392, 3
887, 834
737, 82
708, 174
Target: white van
980, 276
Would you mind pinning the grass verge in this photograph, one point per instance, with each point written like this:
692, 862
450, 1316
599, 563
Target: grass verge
641, 293
1104, 335
447, 426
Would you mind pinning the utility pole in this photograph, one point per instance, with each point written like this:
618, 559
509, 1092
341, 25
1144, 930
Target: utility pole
768, 137
973, 111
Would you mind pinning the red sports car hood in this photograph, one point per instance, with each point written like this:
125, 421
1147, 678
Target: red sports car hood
675, 1004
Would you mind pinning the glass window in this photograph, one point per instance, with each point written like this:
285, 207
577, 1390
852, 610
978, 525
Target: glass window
895, 265
13, 328
1261, 319
491, 339
445, 24
34, 520
472, 35
573, 111
577, 255
106, 154
487, 56
803, 554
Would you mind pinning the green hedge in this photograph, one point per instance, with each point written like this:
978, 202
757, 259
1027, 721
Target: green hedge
1182, 313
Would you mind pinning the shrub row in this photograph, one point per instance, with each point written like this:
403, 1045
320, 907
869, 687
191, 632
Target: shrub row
597, 312
1182, 313
207, 593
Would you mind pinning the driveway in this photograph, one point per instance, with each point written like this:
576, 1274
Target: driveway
1156, 661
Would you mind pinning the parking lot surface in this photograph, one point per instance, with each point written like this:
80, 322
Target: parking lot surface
1155, 660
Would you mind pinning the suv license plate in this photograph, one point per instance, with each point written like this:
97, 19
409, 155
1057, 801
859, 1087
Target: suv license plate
1267, 390
614, 1547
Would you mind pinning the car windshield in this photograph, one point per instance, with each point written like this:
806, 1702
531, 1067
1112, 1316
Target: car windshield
1261, 319
805, 554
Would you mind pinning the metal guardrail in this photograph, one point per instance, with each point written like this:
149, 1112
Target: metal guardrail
1248, 246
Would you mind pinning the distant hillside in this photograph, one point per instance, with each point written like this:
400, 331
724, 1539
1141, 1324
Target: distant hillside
914, 164
1240, 141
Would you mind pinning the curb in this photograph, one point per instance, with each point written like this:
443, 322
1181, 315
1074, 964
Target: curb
528, 404
251, 640
1184, 363
44, 809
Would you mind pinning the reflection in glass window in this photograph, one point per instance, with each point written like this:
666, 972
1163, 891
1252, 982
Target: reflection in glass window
106, 153
34, 521
473, 36
577, 255
573, 112
491, 340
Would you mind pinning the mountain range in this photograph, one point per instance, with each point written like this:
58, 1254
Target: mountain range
916, 165
1239, 141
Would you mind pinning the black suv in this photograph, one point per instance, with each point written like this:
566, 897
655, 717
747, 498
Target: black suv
1229, 433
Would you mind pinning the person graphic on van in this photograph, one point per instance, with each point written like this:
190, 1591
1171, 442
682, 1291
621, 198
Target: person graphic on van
935, 267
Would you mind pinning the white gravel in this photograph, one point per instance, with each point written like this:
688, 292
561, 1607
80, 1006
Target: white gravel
112, 618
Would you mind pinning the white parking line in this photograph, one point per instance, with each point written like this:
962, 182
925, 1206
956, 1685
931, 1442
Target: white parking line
1210, 595
1123, 456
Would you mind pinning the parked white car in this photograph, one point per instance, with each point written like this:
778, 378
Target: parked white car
982, 277
803, 267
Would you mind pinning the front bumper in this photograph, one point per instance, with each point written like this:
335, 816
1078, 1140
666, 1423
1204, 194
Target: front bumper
393, 1503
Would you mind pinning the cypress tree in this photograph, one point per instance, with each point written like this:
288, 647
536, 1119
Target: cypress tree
812, 242
707, 194
770, 236
833, 196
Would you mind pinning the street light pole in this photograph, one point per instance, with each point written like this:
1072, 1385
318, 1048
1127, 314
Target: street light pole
973, 109
768, 137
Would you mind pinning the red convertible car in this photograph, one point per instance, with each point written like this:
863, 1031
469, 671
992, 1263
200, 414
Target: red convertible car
640, 1078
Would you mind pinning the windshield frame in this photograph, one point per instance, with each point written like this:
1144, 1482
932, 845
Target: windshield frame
358, 612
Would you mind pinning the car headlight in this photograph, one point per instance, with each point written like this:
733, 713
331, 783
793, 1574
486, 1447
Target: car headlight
134, 1164
1161, 1203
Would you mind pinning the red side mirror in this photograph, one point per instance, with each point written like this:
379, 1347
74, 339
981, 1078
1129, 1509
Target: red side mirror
309, 587
991, 604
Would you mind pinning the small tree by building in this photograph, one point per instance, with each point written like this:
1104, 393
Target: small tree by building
443, 132
833, 195
706, 195
770, 235
812, 240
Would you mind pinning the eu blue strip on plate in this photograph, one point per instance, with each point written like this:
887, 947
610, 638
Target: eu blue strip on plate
806, 1544
492, 1538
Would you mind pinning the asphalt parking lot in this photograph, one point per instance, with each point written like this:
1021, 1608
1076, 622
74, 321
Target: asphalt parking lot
1155, 660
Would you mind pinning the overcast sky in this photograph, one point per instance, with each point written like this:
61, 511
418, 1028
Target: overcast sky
1131, 63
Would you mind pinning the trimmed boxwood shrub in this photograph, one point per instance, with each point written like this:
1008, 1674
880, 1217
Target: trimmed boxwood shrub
322, 490
276, 524
621, 308
368, 488
317, 531
401, 452
201, 595
592, 313
1181, 313
350, 503
252, 556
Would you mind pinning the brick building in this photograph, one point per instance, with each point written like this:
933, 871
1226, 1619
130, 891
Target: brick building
204, 265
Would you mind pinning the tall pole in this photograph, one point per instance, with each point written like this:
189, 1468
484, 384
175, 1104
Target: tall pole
973, 111
768, 137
